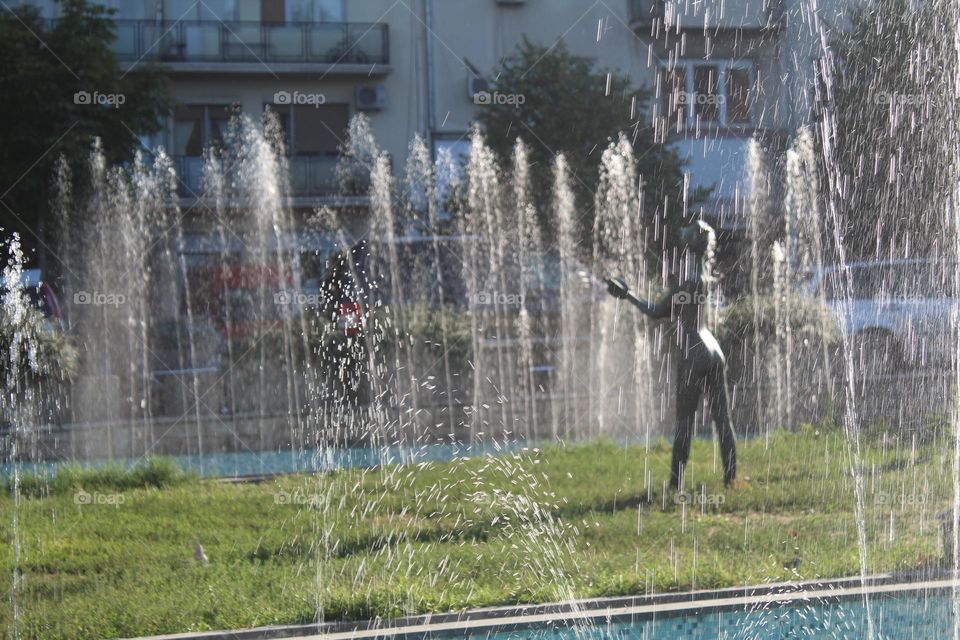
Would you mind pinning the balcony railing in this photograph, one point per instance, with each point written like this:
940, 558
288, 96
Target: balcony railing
214, 41
309, 175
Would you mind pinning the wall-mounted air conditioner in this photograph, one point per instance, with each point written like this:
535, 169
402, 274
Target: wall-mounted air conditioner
511, 3
370, 97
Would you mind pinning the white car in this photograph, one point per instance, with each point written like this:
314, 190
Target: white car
898, 312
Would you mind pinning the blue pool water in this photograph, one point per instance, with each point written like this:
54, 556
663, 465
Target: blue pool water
904, 616
253, 463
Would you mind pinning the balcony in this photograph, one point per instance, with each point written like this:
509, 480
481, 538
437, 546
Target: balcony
310, 176
213, 46
742, 15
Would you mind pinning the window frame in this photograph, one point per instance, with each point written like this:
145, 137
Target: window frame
722, 66
290, 129
206, 124
317, 11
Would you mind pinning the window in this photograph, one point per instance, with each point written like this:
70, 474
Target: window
706, 101
675, 91
451, 158
192, 10
268, 11
272, 11
697, 92
738, 87
314, 10
197, 127
125, 10
313, 130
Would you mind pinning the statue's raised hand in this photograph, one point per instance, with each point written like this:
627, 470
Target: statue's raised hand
618, 288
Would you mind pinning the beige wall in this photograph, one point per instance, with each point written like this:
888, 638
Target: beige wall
727, 14
478, 31
394, 125
802, 44
484, 31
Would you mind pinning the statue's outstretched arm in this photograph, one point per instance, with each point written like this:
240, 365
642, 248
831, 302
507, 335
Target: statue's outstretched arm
656, 310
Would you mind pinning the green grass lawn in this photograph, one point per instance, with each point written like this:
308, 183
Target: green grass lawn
537, 525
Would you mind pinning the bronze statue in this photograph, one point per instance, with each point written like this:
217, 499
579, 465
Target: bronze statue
702, 366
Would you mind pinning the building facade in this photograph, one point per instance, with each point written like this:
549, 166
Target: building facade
723, 71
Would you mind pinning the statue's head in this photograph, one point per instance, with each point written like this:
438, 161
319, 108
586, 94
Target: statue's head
696, 236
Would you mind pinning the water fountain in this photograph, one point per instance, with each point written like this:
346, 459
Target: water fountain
204, 332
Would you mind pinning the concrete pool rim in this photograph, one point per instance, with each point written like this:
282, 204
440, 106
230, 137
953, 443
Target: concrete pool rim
619, 609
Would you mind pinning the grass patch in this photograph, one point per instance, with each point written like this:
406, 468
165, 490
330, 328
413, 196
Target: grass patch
582, 520
155, 472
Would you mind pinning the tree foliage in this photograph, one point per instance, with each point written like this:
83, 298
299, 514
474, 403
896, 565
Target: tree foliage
889, 100
48, 69
558, 102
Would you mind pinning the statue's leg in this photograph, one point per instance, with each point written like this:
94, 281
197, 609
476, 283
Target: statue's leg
688, 399
720, 409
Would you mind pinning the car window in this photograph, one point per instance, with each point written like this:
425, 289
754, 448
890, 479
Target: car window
865, 283
934, 279
914, 281
894, 282
871, 282
834, 284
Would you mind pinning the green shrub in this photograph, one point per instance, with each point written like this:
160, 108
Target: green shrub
748, 327
428, 325
152, 472
43, 353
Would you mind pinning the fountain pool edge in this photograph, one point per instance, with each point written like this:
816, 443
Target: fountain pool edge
620, 609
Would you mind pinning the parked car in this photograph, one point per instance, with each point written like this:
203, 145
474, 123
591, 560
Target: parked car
243, 292
898, 313
239, 299
42, 297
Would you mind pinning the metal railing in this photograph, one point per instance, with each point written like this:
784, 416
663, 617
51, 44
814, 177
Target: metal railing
215, 41
309, 175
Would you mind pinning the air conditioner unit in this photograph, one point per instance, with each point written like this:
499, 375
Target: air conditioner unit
511, 3
370, 97
476, 85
